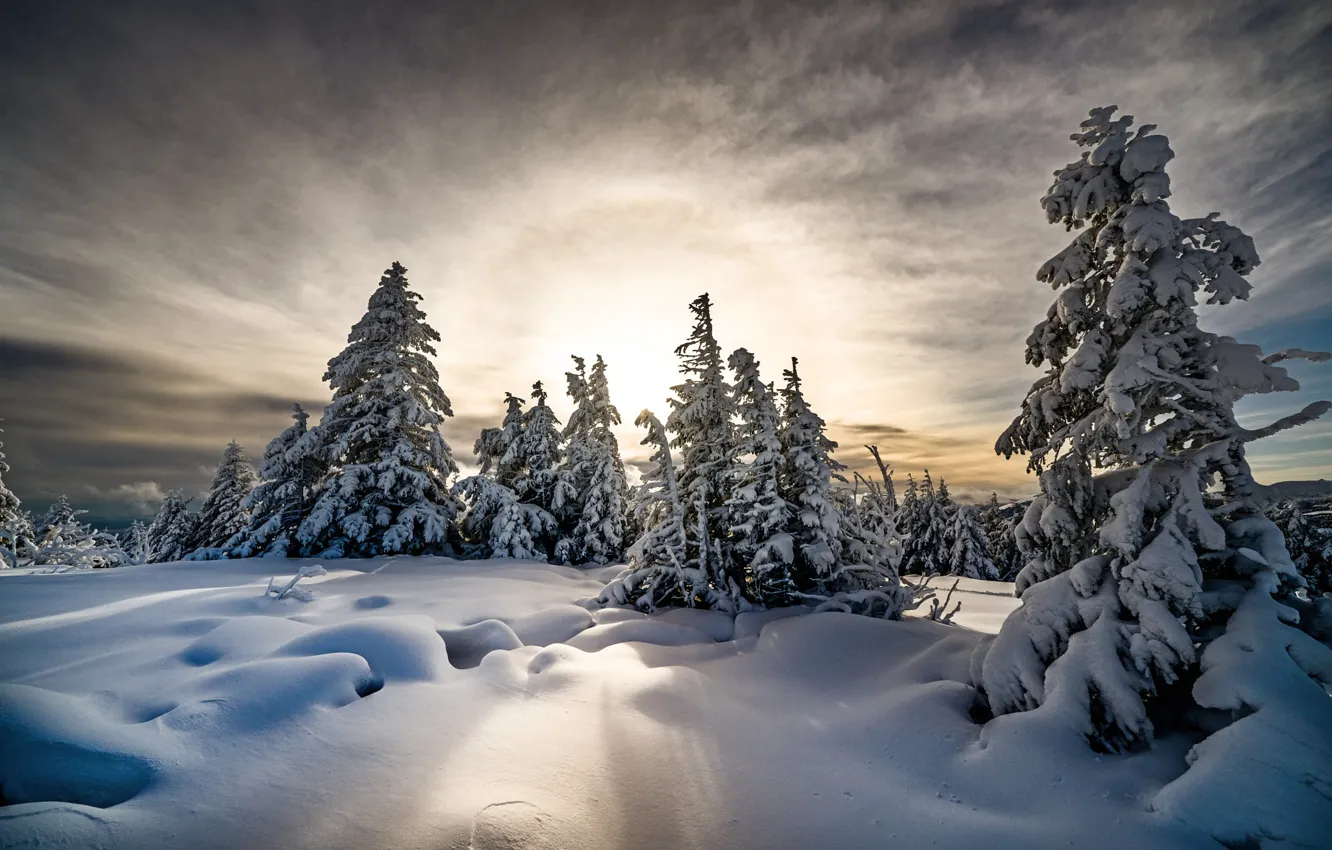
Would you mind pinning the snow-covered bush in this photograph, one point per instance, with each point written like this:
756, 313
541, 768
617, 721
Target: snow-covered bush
1130, 571
60, 540
304, 594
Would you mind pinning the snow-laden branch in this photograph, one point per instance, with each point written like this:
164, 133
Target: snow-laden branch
1297, 354
1304, 417
290, 589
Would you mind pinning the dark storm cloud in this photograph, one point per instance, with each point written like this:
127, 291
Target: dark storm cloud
114, 431
92, 424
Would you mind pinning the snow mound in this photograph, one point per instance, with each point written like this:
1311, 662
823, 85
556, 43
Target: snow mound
241, 639
56, 748
262, 694
750, 624
555, 624
467, 645
638, 631
203, 715
514, 825
715, 624
406, 647
606, 616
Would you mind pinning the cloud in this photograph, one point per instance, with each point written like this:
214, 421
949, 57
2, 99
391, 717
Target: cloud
80, 420
140, 497
211, 191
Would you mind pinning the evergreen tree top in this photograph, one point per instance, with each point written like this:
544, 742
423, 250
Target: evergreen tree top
390, 347
599, 392
701, 349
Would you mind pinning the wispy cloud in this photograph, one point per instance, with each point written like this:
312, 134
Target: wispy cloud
856, 183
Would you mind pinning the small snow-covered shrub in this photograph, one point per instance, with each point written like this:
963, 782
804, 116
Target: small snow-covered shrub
304, 594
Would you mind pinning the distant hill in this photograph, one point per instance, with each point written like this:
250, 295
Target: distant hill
1283, 490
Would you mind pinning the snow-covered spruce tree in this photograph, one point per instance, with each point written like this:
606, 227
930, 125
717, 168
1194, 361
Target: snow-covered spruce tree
927, 546
910, 522
1308, 540
495, 522
223, 514
278, 502
172, 529
596, 472
700, 421
539, 453
999, 535
492, 447
878, 508
1128, 571
944, 498
866, 579
387, 490
660, 572
760, 519
969, 556
1318, 549
134, 542
498, 525
806, 477
56, 515
10, 522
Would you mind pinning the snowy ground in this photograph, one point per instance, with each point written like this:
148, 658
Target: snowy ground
174, 705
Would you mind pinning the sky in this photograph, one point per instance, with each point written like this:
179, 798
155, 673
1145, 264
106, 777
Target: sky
199, 197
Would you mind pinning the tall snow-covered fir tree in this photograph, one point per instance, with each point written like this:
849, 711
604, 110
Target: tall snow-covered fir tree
1129, 570
760, 519
223, 514
172, 530
599, 503
807, 473
969, 554
387, 491
660, 572
700, 421
279, 500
